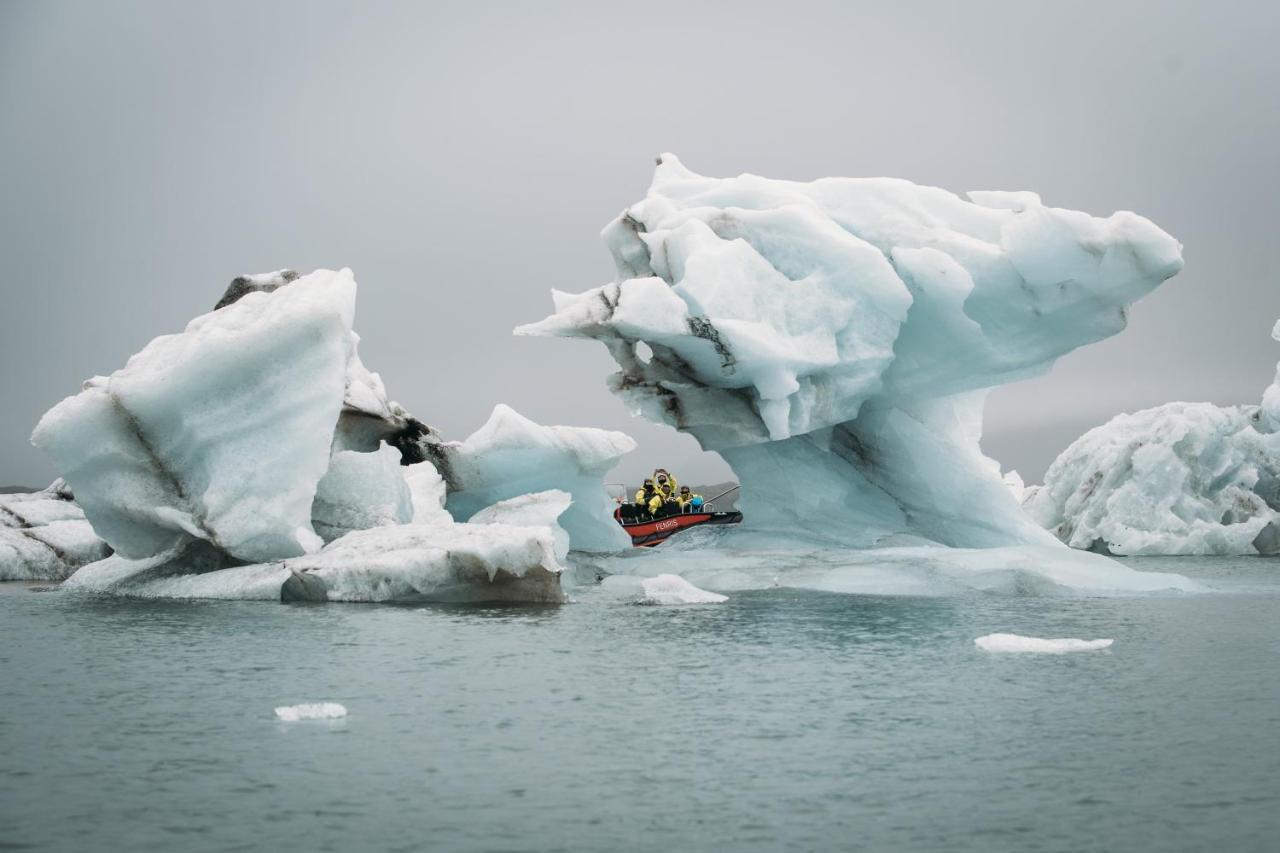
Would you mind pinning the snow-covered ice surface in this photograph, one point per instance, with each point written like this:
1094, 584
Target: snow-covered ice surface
511, 455
45, 536
311, 711
1182, 478
1037, 645
834, 340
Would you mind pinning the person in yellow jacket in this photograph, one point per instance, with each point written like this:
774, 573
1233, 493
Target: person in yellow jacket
689, 502
665, 483
644, 493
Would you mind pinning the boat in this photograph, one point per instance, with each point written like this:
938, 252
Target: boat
654, 531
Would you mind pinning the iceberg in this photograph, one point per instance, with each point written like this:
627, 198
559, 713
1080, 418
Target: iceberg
45, 536
1177, 479
1182, 478
834, 340
220, 433
254, 456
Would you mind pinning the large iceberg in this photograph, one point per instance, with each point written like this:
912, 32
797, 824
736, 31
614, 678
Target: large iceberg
254, 456
220, 433
834, 340
1182, 478
45, 536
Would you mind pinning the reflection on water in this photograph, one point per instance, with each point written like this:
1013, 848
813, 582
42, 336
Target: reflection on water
781, 719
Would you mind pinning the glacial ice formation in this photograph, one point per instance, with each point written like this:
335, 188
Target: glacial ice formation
254, 456
45, 536
1182, 478
219, 433
833, 340
511, 455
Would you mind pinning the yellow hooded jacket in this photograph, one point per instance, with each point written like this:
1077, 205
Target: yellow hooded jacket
671, 488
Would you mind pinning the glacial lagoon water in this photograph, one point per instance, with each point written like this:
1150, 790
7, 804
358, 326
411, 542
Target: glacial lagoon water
780, 720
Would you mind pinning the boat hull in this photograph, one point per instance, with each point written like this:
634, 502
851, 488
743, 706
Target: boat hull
651, 532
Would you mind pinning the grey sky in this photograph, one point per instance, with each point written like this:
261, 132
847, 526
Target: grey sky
462, 158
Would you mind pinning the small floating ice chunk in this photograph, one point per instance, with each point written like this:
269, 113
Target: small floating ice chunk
1016, 643
673, 589
311, 711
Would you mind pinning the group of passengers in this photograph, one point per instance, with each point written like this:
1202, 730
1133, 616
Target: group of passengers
661, 496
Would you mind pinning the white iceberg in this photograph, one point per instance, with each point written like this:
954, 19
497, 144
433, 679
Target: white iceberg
311, 711
1182, 478
254, 456
1036, 645
833, 340
219, 433
511, 455
45, 536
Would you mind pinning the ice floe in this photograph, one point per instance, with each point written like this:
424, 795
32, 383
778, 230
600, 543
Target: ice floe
311, 711
1036, 645
661, 589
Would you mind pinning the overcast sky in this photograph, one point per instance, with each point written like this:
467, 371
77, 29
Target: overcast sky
462, 158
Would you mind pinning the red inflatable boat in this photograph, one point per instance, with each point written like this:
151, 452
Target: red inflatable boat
654, 531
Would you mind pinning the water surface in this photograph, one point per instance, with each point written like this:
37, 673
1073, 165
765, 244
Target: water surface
783, 719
